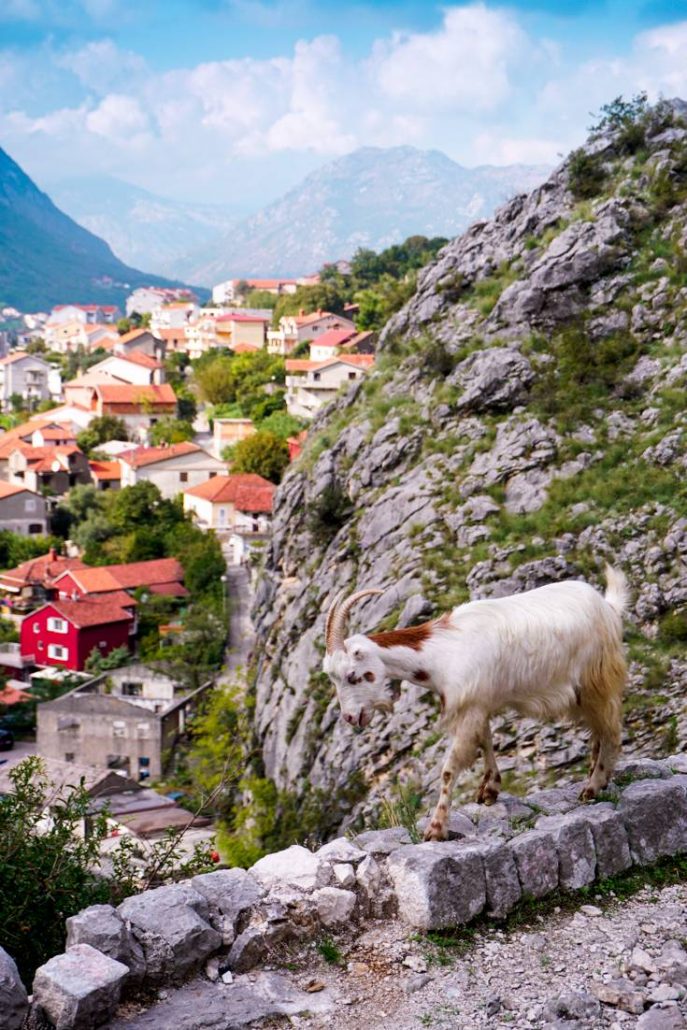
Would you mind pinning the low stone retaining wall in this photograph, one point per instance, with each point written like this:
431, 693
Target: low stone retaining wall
228, 921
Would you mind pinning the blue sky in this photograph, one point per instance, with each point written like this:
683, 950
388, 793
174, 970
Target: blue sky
234, 100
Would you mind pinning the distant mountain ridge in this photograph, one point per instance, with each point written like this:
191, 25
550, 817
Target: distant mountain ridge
141, 227
47, 259
372, 197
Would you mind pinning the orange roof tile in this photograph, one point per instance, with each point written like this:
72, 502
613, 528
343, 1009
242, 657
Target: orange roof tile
9, 489
133, 334
246, 491
106, 470
151, 455
42, 570
101, 579
137, 357
172, 334
126, 393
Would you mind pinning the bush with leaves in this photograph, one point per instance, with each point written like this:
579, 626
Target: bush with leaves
100, 430
263, 453
171, 430
48, 865
99, 662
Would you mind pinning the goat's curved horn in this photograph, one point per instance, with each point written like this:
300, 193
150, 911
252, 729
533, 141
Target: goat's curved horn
338, 616
328, 637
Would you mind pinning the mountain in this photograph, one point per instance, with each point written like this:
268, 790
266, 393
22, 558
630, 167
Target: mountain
47, 259
139, 226
371, 198
525, 425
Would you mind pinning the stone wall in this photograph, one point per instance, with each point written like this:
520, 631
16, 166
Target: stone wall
227, 922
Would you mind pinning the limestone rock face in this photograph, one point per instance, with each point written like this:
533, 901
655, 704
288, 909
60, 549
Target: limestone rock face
80, 989
522, 426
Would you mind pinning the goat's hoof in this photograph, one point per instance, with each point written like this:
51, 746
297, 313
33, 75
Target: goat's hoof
435, 832
587, 793
487, 796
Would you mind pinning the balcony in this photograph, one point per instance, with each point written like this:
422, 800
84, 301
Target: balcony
11, 657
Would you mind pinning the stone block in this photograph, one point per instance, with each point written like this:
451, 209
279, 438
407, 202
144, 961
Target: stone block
334, 905
229, 893
438, 885
341, 850
460, 827
630, 769
655, 816
14, 1002
293, 867
382, 842
501, 878
344, 875
536, 859
610, 839
79, 990
575, 847
660, 1017
103, 928
556, 800
171, 924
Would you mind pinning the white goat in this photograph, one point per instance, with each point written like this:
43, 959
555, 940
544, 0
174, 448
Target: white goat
551, 652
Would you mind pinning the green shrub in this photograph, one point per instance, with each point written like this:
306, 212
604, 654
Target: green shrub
586, 174
329, 513
673, 628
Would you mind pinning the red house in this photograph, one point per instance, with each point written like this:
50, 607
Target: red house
63, 633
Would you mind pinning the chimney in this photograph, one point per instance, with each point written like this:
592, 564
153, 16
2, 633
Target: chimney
52, 555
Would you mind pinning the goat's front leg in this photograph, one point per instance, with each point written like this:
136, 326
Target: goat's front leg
468, 734
491, 781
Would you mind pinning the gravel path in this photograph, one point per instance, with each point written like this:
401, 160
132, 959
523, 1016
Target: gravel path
390, 980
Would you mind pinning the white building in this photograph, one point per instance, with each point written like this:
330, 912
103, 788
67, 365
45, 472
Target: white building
171, 469
146, 299
295, 329
312, 384
29, 377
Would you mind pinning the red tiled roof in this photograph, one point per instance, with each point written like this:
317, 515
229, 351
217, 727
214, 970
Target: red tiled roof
334, 337
13, 695
172, 334
126, 393
9, 490
268, 284
42, 570
137, 357
246, 491
106, 470
42, 459
133, 334
89, 613
246, 348
56, 434
142, 456
304, 365
18, 355
102, 579
169, 589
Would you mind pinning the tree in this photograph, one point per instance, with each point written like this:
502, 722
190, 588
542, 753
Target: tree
99, 662
101, 429
171, 430
281, 424
216, 381
124, 325
263, 453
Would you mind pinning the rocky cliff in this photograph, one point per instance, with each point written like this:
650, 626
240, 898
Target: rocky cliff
524, 424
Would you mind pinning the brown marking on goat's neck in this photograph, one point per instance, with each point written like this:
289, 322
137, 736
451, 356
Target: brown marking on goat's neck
421, 676
412, 637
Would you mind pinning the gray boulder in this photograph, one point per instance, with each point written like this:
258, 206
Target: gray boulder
536, 860
103, 928
79, 990
229, 893
438, 885
14, 1002
610, 839
171, 924
655, 816
575, 846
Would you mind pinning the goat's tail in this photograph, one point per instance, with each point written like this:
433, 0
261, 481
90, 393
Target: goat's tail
617, 590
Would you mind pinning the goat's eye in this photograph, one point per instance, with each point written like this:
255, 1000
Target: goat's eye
357, 655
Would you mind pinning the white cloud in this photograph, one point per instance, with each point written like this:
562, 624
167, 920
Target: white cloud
101, 65
500, 149
465, 65
119, 118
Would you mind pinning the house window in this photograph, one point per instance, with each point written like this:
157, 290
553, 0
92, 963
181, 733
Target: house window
35, 528
143, 767
183, 477
102, 643
143, 730
212, 475
119, 728
351, 375
316, 376
69, 756
130, 689
118, 762
55, 651
30, 504
58, 625
36, 628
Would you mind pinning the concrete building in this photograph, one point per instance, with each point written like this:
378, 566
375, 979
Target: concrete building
29, 377
238, 503
311, 384
129, 719
172, 469
228, 431
23, 510
295, 329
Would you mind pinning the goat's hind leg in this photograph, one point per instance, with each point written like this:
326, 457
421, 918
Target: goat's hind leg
468, 735
491, 781
606, 738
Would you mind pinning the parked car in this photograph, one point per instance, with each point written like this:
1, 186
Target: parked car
6, 739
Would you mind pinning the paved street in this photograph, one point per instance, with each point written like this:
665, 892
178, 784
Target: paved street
241, 635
